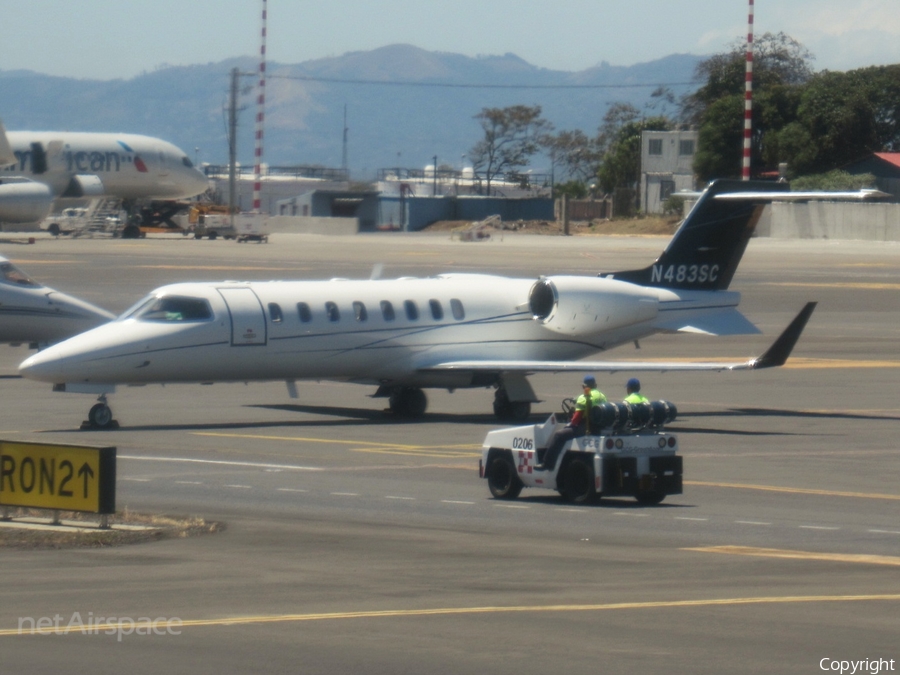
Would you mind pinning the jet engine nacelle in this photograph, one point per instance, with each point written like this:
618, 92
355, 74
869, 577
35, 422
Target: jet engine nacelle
24, 202
585, 305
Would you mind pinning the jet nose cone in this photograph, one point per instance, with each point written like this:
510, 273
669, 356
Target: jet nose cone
82, 309
73, 316
38, 367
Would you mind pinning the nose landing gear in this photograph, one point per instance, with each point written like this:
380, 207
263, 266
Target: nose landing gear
100, 416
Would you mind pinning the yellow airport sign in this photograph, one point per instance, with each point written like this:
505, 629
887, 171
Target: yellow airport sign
59, 477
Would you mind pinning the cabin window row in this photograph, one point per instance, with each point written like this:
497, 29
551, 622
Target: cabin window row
410, 309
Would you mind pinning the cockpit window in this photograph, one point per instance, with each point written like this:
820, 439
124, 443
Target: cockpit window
10, 274
172, 308
187, 162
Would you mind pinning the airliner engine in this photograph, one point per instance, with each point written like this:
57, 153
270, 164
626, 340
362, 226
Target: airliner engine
585, 305
24, 202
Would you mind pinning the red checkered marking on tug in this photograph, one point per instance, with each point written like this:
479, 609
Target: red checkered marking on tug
524, 459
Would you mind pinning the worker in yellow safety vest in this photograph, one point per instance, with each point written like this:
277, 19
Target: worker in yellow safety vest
633, 389
580, 424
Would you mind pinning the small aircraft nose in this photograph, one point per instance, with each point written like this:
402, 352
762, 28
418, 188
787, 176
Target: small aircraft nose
76, 316
40, 367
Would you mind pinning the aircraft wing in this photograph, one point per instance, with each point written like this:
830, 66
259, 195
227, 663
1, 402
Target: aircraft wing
776, 355
727, 322
7, 156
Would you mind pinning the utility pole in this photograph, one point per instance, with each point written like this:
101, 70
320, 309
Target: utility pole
344, 153
232, 143
748, 99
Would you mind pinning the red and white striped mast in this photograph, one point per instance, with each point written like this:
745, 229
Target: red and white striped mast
260, 118
748, 99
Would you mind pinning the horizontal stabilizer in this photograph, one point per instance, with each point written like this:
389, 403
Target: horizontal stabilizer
808, 196
776, 355
727, 322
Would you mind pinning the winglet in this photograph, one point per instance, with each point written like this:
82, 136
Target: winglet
7, 156
778, 353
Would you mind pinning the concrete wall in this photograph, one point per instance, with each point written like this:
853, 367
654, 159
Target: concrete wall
831, 220
422, 211
312, 225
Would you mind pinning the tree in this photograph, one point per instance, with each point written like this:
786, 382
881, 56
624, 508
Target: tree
777, 60
781, 69
849, 115
576, 154
834, 180
620, 139
511, 137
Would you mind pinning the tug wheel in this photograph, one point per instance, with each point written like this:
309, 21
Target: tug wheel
503, 481
578, 482
649, 498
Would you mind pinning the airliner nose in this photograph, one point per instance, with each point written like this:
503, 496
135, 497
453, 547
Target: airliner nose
200, 182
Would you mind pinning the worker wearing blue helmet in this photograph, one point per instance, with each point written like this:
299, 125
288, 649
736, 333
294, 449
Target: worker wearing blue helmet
633, 389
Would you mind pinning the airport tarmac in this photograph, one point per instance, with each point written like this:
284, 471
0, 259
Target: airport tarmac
355, 543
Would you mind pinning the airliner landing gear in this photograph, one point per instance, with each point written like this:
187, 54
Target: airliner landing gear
510, 411
100, 416
408, 402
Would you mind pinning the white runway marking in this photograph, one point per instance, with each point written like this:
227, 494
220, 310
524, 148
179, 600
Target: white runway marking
221, 462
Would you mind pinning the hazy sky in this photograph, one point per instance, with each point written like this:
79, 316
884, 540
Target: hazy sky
108, 39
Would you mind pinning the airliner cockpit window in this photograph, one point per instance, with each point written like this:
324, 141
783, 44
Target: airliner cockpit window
172, 308
187, 162
10, 274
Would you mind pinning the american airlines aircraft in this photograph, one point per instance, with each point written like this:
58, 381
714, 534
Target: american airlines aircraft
36, 315
38, 167
450, 331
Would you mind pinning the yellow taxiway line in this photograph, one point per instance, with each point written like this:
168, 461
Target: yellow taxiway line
799, 555
802, 491
451, 611
862, 286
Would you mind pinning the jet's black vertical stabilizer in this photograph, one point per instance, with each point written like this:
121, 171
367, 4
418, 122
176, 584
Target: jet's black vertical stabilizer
705, 251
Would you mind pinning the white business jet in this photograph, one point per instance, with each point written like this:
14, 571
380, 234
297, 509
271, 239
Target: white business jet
36, 315
39, 167
450, 331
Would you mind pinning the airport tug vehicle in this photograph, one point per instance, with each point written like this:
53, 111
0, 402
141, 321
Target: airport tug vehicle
625, 453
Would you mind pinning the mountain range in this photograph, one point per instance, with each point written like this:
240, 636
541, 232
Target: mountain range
404, 105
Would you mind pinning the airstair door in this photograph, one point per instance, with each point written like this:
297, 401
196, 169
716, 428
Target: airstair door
248, 321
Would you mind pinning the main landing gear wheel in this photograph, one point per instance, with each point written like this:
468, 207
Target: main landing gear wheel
510, 411
408, 402
503, 481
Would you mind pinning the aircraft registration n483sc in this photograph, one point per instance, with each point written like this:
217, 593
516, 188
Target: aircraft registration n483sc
38, 167
450, 331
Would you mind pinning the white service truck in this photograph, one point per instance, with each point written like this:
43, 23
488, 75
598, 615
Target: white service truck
631, 456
